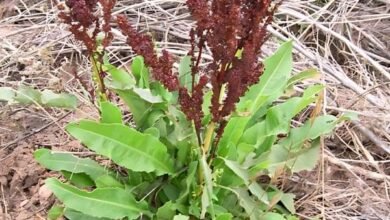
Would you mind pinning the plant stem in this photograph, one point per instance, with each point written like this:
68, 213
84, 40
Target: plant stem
208, 137
97, 78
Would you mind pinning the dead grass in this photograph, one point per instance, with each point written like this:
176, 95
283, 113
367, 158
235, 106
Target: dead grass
348, 41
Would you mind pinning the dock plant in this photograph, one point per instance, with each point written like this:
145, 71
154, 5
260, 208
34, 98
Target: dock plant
207, 140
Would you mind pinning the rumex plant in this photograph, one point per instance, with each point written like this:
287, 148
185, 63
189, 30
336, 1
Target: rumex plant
202, 136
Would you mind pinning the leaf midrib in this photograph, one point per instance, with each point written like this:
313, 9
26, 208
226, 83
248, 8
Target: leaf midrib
127, 146
271, 77
97, 200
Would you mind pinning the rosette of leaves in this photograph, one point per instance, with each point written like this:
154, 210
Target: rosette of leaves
165, 175
201, 137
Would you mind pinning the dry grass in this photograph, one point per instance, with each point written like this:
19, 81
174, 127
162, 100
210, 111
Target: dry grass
347, 40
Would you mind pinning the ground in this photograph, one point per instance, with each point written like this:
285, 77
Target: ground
348, 41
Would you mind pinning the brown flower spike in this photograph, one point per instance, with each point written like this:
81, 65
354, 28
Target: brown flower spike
225, 26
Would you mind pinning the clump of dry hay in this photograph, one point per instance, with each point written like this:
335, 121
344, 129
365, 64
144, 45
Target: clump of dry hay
348, 41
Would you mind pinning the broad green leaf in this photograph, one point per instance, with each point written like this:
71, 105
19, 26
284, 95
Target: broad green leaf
238, 170
310, 130
253, 187
120, 78
207, 194
278, 117
140, 71
80, 180
107, 181
67, 162
7, 94
147, 95
62, 100
113, 203
278, 68
288, 202
272, 216
259, 192
110, 113
124, 145
181, 217
75, 215
185, 76
250, 206
167, 211
189, 181
306, 159
55, 212
231, 135
27, 95
306, 74
225, 216
139, 107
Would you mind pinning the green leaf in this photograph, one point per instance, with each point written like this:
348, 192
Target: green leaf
67, 162
140, 71
306, 159
107, 181
181, 217
189, 181
185, 76
103, 202
167, 211
28, 95
147, 95
141, 103
225, 216
288, 201
250, 206
62, 100
80, 180
120, 78
306, 74
278, 68
231, 135
7, 94
110, 113
278, 117
55, 212
310, 130
207, 194
244, 175
75, 215
124, 145
272, 216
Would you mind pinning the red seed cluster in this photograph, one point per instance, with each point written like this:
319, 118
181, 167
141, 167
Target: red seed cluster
82, 20
143, 45
224, 26
227, 26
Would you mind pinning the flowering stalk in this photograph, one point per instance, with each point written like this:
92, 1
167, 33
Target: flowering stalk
85, 25
225, 26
